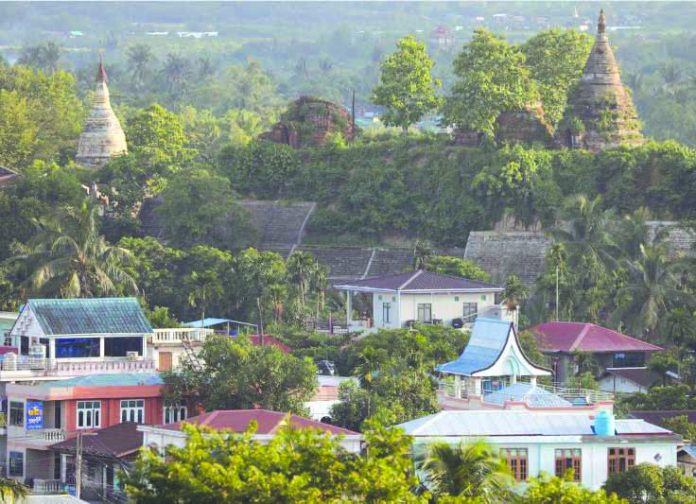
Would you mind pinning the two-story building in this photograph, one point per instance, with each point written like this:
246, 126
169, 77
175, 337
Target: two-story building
421, 297
43, 414
564, 341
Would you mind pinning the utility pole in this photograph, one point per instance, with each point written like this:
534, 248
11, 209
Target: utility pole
557, 296
258, 305
78, 465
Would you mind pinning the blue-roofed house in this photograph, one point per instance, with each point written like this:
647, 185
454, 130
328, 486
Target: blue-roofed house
49, 412
421, 296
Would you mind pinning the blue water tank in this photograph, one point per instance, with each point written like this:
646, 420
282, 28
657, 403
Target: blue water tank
604, 424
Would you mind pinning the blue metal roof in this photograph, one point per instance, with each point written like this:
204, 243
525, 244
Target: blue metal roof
527, 393
689, 449
106, 380
485, 346
206, 322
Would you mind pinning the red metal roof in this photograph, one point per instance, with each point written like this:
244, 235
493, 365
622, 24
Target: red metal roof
268, 421
269, 341
586, 337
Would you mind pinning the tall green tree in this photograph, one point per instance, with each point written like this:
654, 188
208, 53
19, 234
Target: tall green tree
140, 60
69, 258
238, 375
555, 59
648, 483
491, 78
406, 86
295, 466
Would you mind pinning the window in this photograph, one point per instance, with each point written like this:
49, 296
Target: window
425, 312
133, 410
469, 312
118, 347
621, 459
175, 412
569, 459
88, 414
516, 459
628, 359
70, 348
17, 414
493, 384
16, 466
386, 312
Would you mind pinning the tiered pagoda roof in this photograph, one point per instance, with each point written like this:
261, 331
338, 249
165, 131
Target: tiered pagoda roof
600, 111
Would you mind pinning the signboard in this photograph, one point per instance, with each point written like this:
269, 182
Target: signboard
34, 415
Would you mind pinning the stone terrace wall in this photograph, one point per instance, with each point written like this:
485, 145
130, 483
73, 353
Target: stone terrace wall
512, 252
278, 223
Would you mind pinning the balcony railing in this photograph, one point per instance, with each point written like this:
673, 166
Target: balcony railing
43, 367
48, 436
47, 487
179, 334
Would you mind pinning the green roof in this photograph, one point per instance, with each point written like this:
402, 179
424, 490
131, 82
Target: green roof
105, 380
90, 316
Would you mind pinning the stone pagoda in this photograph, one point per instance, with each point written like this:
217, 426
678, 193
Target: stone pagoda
102, 137
600, 112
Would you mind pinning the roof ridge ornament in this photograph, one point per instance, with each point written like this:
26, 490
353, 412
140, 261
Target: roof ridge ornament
602, 23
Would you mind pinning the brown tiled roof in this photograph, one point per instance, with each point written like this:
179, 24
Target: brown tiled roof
421, 280
642, 376
117, 441
268, 422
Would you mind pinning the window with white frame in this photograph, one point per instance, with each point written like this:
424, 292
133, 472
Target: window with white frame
133, 410
425, 312
88, 414
386, 313
469, 311
175, 412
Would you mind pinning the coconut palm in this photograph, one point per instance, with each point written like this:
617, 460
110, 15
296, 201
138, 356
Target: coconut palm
652, 287
69, 258
176, 72
140, 59
465, 470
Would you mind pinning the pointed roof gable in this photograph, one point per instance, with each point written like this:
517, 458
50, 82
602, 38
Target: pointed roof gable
492, 342
419, 281
90, 316
568, 337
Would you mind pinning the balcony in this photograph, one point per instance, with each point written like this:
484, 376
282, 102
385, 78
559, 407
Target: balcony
17, 367
37, 439
177, 336
47, 487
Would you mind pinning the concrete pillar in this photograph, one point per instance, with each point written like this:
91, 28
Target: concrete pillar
477, 387
349, 307
457, 386
513, 379
63, 467
533, 381
101, 347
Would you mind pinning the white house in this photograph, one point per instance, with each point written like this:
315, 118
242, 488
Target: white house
532, 442
629, 380
421, 296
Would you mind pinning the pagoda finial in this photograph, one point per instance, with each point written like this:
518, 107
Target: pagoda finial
602, 24
101, 72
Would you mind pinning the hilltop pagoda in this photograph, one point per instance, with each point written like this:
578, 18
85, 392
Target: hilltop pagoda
600, 112
102, 137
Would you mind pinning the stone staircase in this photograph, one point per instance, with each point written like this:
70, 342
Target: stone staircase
509, 252
343, 263
278, 223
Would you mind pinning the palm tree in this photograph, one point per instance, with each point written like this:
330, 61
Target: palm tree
651, 288
69, 258
587, 228
140, 59
12, 490
176, 72
465, 470
422, 251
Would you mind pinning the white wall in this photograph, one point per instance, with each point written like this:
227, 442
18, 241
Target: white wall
541, 453
444, 306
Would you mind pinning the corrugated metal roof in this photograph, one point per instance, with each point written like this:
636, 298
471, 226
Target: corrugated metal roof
516, 423
105, 380
690, 450
420, 281
529, 394
586, 337
485, 345
90, 316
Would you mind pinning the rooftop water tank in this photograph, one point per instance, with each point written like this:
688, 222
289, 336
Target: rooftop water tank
604, 424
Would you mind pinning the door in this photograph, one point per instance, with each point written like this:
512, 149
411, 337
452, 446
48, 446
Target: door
165, 361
